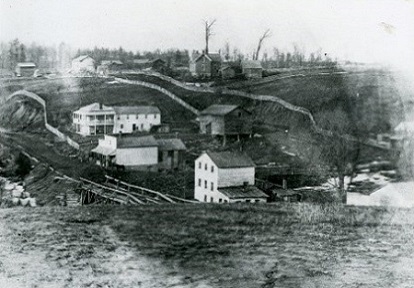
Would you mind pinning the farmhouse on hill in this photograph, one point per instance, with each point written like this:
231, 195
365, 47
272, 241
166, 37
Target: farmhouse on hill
133, 152
109, 66
97, 119
222, 177
224, 120
83, 64
206, 65
252, 69
25, 69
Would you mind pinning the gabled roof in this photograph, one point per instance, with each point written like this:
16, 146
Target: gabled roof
136, 110
215, 57
406, 126
230, 159
136, 142
111, 62
218, 109
171, 144
141, 61
243, 192
95, 107
107, 151
82, 58
26, 64
248, 64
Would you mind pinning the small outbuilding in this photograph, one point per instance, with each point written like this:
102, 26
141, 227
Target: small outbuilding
252, 69
25, 69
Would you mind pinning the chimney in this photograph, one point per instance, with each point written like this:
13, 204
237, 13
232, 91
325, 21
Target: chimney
284, 185
100, 106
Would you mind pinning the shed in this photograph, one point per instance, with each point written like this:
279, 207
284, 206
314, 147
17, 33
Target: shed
25, 69
252, 69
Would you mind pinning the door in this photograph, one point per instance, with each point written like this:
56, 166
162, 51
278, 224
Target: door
134, 127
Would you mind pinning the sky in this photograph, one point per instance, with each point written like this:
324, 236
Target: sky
379, 31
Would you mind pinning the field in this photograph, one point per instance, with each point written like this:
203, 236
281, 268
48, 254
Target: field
206, 246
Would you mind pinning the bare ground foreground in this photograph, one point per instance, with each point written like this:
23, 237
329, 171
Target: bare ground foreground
206, 246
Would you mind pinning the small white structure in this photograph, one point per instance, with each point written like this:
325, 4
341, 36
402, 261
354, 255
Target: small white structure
131, 153
225, 177
136, 118
83, 64
94, 119
98, 119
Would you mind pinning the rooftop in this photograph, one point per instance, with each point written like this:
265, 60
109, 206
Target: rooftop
111, 62
135, 142
230, 159
171, 144
136, 110
82, 58
243, 192
210, 56
95, 107
246, 64
218, 109
26, 64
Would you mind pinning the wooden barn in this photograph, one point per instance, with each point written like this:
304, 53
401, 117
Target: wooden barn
225, 120
252, 69
206, 65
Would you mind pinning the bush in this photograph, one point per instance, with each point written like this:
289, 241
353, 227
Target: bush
23, 165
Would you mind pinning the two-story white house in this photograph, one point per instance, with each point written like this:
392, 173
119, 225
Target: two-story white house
98, 119
136, 118
223, 177
94, 119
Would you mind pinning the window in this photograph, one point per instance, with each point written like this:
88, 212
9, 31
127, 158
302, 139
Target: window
257, 201
155, 116
247, 201
205, 184
205, 198
118, 117
142, 126
220, 200
136, 116
212, 168
211, 199
127, 117
146, 116
225, 201
122, 126
205, 167
199, 165
240, 114
212, 186
199, 182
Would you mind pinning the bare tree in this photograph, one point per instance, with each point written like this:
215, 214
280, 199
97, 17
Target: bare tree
265, 35
208, 26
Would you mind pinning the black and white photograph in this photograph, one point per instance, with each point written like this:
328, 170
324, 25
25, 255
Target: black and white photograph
206, 143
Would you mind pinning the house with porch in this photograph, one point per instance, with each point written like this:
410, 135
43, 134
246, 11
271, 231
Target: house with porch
132, 152
97, 119
226, 177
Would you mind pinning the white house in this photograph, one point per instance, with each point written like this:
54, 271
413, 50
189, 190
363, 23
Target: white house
98, 119
136, 118
94, 119
83, 64
225, 177
131, 153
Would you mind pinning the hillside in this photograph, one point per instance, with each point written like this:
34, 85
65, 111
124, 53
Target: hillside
206, 246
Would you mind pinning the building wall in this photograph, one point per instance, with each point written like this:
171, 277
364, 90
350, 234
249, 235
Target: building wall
203, 177
238, 121
124, 123
142, 156
252, 73
83, 124
251, 200
203, 67
235, 176
87, 65
25, 71
217, 124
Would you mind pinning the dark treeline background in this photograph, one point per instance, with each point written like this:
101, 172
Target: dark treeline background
60, 57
